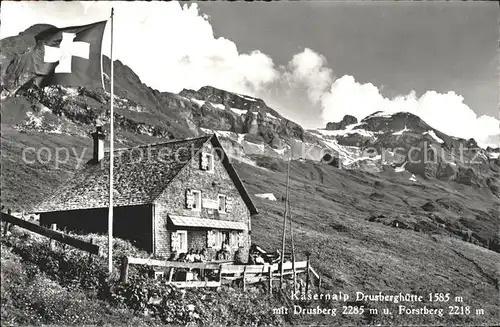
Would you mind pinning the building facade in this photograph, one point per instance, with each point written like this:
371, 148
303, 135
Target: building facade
172, 196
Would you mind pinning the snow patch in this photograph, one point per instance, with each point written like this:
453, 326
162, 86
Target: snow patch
401, 131
239, 111
227, 134
400, 169
198, 102
382, 114
44, 109
218, 105
281, 151
345, 132
347, 154
57, 130
260, 146
241, 137
271, 116
267, 196
413, 178
434, 136
494, 155
246, 98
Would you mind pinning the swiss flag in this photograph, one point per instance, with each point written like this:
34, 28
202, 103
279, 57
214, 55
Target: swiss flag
69, 56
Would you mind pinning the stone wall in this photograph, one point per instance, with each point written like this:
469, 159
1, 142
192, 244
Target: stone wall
172, 201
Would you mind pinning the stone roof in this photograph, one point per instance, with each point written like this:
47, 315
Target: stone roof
140, 174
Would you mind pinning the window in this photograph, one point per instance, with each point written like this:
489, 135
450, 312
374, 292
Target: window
222, 203
196, 200
207, 161
224, 237
210, 159
179, 241
215, 239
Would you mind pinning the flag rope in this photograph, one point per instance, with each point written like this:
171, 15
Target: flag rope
102, 74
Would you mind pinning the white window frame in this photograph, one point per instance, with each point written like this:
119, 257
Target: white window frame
184, 232
210, 158
219, 196
235, 237
198, 202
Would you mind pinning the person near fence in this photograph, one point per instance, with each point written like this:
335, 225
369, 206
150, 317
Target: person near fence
202, 257
182, 257
196, 256
239, 256
251, 259
173, 256
259, 260
190, 256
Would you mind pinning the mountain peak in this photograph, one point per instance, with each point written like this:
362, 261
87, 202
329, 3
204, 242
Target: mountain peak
347, 120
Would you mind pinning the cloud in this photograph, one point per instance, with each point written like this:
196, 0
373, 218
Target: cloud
311, 70
444, 111
169, 46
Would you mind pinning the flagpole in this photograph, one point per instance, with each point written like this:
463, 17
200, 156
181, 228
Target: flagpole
111, 150
284, 223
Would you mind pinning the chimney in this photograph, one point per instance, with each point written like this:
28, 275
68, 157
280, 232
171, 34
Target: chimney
98, 137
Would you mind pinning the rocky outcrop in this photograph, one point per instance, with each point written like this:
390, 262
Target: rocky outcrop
332, 160
347, 120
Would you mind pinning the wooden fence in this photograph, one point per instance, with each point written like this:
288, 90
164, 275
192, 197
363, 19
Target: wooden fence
227, 272
52, 234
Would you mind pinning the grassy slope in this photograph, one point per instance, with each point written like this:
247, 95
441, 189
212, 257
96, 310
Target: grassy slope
64, 286
330, 209
27, 183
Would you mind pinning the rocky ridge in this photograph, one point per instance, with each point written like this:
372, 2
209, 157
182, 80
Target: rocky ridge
247, 126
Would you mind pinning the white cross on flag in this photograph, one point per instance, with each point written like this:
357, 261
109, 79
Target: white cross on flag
69, 56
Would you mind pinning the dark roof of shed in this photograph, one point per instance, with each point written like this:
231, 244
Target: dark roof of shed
140, 175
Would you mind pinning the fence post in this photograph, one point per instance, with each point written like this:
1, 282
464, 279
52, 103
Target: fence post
124, 270
5, 228
170, 274
308, 254
270, 279
7, 225
244, 275
90, 254
220, 273
52, 243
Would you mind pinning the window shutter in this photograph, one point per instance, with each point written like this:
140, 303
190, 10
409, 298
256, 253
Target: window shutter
218, 239
229, 204
240, 240
211, 238
175, 242
189, 199
203, 161
233, 240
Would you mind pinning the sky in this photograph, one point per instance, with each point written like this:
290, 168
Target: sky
312, 61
